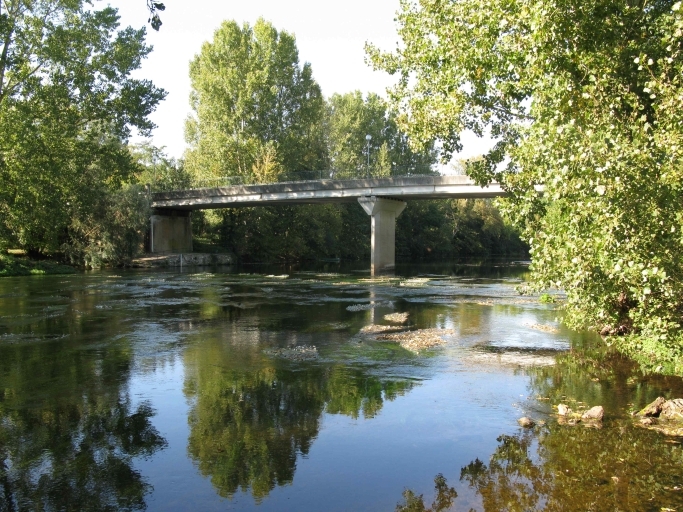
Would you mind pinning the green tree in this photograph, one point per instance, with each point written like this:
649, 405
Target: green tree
281, 232
256, 111
67, 106
157, 169
111, 230
441, 230
350, 118
154, 20
583, 98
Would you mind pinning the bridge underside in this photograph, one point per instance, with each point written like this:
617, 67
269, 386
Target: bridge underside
383, 199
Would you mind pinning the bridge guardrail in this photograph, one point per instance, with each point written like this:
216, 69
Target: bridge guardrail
292, 176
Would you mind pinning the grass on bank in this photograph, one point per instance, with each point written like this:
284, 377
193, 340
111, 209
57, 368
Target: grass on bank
17, 264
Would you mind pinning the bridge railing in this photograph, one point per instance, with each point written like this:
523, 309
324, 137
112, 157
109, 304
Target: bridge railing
290, 176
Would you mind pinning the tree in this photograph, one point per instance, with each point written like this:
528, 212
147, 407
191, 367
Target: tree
159, 170
583, 98
67, 107
350, 118
255, 107
154, 19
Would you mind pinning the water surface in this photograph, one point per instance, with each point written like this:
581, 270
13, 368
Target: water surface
176, 391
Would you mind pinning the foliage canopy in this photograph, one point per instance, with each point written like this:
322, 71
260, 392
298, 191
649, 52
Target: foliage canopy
583, 98
67, 106
350, 118
256, 111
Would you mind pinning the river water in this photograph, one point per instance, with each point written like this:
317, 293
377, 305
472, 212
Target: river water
167, 390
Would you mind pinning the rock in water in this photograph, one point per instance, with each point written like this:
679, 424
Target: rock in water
563, 410
673, 409
594, 413
653, 409
525, 422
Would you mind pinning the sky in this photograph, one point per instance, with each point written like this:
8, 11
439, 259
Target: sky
329, 35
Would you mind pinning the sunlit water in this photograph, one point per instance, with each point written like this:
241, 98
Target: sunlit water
165, 390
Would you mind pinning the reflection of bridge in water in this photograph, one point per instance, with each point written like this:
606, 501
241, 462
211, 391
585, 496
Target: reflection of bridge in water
382, 198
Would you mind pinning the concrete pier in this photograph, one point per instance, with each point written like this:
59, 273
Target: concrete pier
170, 231
383, 213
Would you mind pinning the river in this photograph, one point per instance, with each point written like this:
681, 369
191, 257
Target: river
167, 390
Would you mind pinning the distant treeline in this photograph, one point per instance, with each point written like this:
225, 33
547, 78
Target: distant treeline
425, 231
72, 187
259, 116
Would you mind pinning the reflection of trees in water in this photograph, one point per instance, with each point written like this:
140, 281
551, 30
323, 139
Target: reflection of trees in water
68, 432
598, 375
576, 468
562, 467
249, 422
247, 428
415, 502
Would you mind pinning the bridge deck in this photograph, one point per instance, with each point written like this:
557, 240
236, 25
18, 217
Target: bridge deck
324, 191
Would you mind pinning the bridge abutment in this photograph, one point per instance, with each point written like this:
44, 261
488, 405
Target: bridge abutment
383, 213
170, 231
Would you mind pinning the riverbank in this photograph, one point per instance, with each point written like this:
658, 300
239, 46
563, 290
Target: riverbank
181, 260
20, 265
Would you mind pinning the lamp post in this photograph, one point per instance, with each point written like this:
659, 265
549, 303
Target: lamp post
368, 138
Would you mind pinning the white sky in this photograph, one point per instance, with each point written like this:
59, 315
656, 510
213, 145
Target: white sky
331, 36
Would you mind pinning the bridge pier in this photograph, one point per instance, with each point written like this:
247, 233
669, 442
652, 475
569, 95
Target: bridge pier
383, 212
170, 231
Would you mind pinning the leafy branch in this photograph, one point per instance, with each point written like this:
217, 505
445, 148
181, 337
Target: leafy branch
154, 20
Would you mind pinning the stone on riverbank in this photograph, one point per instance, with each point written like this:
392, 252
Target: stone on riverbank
663, 416
673, 409
594, 413
563, 410
525, 422
653, 409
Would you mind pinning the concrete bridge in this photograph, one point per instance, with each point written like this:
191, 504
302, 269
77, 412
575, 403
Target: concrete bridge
381, 198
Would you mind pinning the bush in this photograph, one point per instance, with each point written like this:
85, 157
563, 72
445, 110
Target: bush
113, 232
